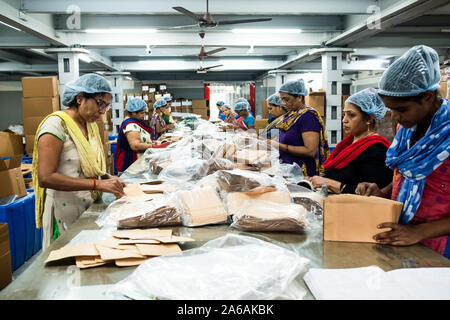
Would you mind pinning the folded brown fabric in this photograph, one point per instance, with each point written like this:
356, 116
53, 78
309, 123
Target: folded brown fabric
163, 216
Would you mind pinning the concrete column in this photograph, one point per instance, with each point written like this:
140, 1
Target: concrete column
332, 79
68, 70
116, 82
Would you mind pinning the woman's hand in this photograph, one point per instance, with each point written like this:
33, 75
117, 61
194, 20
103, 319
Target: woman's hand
400, 235
170, 126
368, 189
318, 181
113, 185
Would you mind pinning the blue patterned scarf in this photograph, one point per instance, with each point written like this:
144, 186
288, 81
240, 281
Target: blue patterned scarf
416, 162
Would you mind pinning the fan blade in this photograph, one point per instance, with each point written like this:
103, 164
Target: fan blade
207, 68
214, 51
187, 13
242, 21
180, 27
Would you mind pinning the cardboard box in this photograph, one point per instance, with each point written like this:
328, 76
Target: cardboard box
34, 87
5, 257
12, 183
261, 123
10, 144
316, 100
265, 110
29, 144
186, 103
353, 218
199, 104
42, 106
30, 124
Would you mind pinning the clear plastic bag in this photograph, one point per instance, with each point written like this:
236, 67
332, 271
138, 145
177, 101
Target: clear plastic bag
259, 215
243, 180
232, 267
182, 172
312, 200
143, 212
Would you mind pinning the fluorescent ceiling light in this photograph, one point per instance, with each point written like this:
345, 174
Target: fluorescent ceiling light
85, 58
445, 30
5, 24
130, 31
265, 31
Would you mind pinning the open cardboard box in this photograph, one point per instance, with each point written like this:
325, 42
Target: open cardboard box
11, 152
353, 218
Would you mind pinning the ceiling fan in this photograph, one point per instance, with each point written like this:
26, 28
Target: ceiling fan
206, 69
207, 54
207, 20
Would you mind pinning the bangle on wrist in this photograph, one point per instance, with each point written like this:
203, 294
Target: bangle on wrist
95, 183
342, 187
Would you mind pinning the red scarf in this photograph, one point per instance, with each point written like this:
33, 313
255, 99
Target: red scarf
346, 151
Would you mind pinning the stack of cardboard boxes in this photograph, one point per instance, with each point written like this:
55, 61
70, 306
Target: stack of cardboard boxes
316, 100
5, 257
40, 98
200, 107
11, 152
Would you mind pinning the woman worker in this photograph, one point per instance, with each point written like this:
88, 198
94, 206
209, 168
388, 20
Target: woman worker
276, 109
69, 159
231, 118
167, 115
157, 123
419, 153
246, 120
219, 105
135, 135
361, 155
302, 137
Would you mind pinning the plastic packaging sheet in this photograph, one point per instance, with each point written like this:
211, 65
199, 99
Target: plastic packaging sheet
141, 212
311, 200
291, 172
232, 267
243, 180
259, 215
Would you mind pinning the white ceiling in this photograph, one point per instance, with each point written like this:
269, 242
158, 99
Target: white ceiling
47, 24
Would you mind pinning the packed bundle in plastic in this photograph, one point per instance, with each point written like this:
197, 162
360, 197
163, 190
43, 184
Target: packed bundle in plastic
201, 206
232, 267
234, 200
183, 172
258, 215
312, 200
215, 164
141, 212
243, 180
291, 172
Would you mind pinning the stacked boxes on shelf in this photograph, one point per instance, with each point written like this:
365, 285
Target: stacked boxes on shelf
200, 107
40, 98
11, 153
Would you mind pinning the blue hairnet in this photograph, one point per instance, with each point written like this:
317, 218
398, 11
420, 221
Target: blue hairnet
275, 99
416, 71
297, 87
226, 106
241, 100
220, 103
160, 103
370, 102
88, 83
241, 106
168, 99
135, 105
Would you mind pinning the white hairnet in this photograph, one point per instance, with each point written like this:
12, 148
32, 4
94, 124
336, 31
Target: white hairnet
369, 102
275, 99
159, 103
297, 87
241, 106
88, 83
135, 105
416, 71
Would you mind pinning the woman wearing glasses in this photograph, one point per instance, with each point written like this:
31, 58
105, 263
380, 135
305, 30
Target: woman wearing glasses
69, 166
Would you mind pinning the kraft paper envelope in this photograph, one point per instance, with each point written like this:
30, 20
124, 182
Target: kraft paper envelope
158, 188
129, 262
175, 239
235, 199
157, 249
89, 262
82, 249
133, 190
141, 234
110, 242
113, 254
354, 218
134, 241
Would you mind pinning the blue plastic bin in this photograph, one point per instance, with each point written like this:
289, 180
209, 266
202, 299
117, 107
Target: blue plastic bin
25, 240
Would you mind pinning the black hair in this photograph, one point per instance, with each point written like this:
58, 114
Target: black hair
86, 95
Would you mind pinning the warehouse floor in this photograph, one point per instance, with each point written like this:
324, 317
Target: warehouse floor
24, 266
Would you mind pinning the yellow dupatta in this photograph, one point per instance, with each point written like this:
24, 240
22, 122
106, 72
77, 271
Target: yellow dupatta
92, 157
